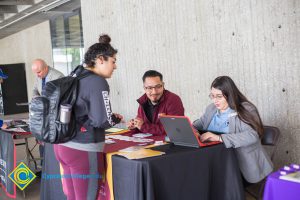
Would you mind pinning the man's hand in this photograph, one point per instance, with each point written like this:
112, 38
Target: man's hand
138, 122
135, 123
130, 124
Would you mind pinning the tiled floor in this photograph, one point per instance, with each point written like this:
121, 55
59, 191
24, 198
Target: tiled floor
249, 197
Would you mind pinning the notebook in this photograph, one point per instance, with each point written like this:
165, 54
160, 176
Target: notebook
181, 132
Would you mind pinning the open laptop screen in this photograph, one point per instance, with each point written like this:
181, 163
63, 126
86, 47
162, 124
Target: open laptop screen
181, 132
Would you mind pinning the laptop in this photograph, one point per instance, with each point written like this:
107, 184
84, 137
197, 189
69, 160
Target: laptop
181, 132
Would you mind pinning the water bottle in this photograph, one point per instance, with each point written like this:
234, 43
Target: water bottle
65, 113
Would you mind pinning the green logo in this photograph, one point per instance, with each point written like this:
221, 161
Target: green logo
22, 176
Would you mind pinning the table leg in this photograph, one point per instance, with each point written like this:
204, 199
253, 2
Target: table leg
29, 156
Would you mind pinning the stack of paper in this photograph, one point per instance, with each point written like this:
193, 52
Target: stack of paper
109, 141
142, 135
114, 130
295, 177
127, 138
131, 149
141, 153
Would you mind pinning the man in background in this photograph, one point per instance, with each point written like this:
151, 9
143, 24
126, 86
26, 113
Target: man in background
44, 73
156, 101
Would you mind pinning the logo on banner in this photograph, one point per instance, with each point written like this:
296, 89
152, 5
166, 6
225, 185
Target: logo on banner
22, 176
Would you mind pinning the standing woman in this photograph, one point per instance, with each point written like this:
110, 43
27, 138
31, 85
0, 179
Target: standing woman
80, 158
238, 119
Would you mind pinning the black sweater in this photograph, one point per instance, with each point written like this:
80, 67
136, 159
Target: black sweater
92, 109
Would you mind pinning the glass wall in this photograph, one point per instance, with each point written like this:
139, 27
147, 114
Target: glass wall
67, 41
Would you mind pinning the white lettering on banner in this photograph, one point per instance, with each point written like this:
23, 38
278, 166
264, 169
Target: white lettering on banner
107, 106
3, 170
3, 163
3, 178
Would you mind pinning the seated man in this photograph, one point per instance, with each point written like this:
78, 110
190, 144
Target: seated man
156, 101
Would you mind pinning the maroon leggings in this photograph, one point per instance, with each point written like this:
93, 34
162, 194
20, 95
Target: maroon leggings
82, 171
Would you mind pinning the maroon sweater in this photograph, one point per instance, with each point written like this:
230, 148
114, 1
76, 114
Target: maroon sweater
169, 104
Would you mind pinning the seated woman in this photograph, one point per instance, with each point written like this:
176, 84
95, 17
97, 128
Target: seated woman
239, 121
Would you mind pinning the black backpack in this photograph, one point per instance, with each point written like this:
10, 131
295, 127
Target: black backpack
44, 111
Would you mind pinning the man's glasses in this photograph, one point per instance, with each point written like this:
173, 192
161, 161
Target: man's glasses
150, 88
217, 97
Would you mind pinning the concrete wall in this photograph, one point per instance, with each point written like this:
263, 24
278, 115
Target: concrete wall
192, 42
25, 46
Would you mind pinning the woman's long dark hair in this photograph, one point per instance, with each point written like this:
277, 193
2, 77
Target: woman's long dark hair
235, 101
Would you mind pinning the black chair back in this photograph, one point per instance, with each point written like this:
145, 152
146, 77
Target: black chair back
270, 137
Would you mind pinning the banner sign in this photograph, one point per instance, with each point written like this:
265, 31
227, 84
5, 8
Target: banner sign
7, 163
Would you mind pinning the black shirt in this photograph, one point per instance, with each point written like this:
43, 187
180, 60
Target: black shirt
149, 109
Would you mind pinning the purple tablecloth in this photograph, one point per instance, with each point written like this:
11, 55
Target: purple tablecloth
278, 189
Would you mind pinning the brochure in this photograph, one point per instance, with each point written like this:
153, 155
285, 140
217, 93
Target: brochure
295, 177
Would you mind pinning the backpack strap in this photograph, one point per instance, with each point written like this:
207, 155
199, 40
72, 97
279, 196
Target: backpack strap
84, 74
80, 73
77, 71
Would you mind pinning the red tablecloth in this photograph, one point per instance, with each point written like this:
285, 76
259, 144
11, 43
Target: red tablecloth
17, 134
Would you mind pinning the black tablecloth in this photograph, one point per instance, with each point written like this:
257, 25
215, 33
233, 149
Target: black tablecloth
51, 188
210, 173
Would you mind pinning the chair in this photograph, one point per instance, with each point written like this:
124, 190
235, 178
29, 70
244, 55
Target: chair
269, 140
